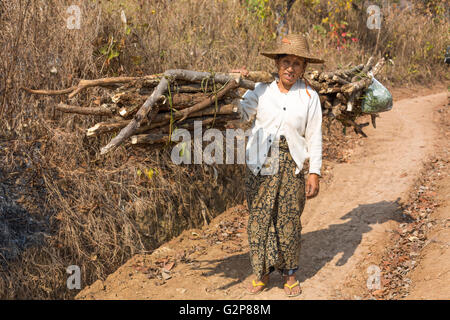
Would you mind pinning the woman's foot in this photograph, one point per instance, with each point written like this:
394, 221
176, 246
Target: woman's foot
292, 286
257, 286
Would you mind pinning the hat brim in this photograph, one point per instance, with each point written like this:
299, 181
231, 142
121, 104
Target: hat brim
273, 55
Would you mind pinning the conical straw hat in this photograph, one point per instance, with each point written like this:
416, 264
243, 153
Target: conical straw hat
295, 44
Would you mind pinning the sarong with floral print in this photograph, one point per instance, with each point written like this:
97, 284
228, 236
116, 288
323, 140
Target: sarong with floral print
275, 203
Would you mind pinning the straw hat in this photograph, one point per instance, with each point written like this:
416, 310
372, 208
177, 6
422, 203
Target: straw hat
295, 44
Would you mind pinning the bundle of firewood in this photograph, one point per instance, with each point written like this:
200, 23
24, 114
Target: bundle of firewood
341, 92
148, 109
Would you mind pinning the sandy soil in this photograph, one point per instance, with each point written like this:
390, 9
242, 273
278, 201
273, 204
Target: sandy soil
344, 231
431, 278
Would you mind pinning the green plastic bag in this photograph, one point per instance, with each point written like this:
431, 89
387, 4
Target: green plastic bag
376, 99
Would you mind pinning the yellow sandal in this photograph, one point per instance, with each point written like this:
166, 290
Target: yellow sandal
258, 284
293, 286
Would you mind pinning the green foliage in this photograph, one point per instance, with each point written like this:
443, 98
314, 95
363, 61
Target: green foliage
259, 7
320, 30
336, 22
148, 173
110, 51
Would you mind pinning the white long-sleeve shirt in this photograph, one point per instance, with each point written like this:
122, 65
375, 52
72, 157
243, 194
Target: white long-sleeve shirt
296, 115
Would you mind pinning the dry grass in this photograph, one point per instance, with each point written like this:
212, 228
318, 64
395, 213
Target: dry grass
97, 211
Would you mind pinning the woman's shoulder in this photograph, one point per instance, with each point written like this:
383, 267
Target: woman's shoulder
255, 93
261, 88
261, 85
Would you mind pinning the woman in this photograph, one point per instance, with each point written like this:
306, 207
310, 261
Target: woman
288, 115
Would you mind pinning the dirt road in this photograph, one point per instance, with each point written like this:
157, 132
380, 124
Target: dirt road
343, 228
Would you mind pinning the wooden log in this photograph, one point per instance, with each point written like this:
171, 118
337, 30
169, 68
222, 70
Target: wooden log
177, 88
315, 85
199, 106
149, 81
196, 76
160, 121
98, 111
336, 111
340, 80
150, 138
330, 90
182, 100
83, 84
103, 127
351, 71
351, 101
350, 88
188, 124
314, 75
357, 127
150, 107
187, 88
364, 70
130, 102
163, 119
257, 76
326, 76
162, 136
49, 92
362, 84
222, 110
377, 68
341, 98
373, 117
368, 65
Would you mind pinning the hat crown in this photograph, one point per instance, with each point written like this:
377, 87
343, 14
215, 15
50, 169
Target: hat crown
295, 44
297, 40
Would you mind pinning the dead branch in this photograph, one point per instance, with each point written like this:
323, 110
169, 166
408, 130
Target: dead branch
199, 106
161, 89
103, 127
99, 111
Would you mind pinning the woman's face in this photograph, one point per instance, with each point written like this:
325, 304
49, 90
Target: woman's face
290, 69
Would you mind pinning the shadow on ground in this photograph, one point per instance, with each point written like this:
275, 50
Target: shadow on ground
318, 247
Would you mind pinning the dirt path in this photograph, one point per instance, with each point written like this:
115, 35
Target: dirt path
342, 227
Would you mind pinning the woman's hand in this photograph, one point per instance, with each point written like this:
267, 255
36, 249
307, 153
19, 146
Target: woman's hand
312, 185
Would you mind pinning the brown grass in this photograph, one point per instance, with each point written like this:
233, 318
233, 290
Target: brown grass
96, 211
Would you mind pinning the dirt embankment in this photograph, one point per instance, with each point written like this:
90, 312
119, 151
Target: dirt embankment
346, 229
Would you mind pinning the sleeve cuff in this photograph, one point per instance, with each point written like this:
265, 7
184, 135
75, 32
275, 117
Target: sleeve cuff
315, 171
